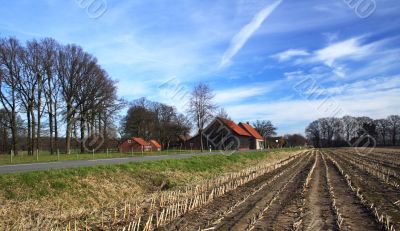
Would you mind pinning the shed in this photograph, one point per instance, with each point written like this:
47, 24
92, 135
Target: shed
135, 144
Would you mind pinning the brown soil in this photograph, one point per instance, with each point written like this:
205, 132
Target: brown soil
382, 195
355, 215
279, 200
283, 212
319, 214
220, 214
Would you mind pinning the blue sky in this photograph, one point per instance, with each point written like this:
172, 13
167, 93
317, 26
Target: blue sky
254, 53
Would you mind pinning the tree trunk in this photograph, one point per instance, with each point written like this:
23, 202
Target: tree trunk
394, 136
33, 121
99, 125
29, 135
14, 125
68, 131
105, 127
82, 134
55, 125
201, 139
39, 105
50, 114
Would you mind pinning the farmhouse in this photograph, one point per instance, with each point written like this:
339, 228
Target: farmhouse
135, 144
225, 134
256, 140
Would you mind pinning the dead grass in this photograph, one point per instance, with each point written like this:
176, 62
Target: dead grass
30, 200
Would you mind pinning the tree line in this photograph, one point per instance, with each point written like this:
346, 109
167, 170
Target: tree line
154, 120
46, 88
354, 131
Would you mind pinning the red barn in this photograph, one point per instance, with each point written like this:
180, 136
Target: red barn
155, 146
135, 144
256, 140
219, 134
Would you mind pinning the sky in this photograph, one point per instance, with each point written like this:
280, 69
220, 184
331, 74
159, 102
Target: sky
287, 61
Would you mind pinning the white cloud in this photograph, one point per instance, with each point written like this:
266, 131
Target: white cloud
375, 103
238, 94
348, 49
289, 54
359, 87
376, 56
246, 32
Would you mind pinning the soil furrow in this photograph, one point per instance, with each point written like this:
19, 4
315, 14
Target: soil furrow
239, 219
355, 215
205, 216
381, 195
319, 214
283, 212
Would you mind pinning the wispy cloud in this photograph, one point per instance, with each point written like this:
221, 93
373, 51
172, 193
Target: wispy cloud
348, 49
289, 54
246, 32
238, 94
339, 55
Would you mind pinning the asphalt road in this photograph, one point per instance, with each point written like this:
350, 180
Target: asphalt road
6, 169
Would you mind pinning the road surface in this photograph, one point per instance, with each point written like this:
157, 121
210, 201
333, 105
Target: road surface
5, 169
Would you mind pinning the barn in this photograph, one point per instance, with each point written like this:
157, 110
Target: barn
256, 140
221, 134
155, 146
135, 144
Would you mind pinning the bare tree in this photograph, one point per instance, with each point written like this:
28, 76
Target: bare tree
382, 128
349, 127
313, 132
28, 90
201, 107
394, 127
10, 72
72, 66
5, 126
49, 49
265, 128
222, 114
295, 140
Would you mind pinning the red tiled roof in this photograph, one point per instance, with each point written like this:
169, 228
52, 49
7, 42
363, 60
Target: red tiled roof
140, 141
232, 125
155, 143
251, 130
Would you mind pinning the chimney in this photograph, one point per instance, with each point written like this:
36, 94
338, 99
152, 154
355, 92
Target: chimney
248, 122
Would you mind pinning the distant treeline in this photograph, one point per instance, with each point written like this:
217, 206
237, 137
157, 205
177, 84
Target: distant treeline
354, 131
47, 87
